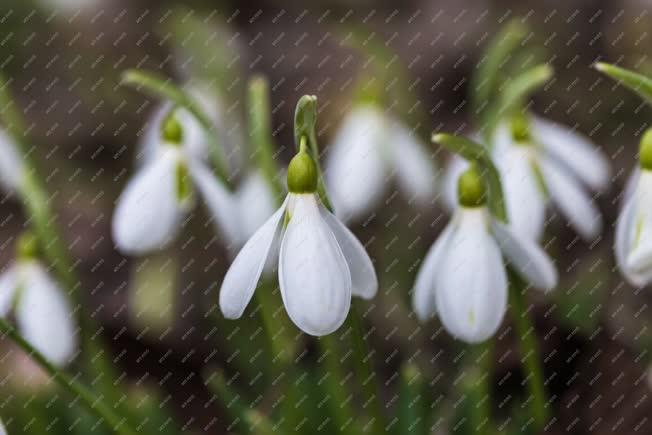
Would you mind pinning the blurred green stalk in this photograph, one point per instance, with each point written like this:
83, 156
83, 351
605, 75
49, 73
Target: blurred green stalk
529, 349
94, 404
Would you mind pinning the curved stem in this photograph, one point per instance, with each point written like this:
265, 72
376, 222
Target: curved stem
94, 404
529, 348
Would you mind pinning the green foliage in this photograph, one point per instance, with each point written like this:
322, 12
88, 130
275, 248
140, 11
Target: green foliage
638, 83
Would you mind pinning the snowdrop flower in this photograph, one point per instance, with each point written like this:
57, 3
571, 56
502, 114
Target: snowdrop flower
541, 162
463, 277
368, 149
42, 312
320, 263
149, 211
634, 227
3, 431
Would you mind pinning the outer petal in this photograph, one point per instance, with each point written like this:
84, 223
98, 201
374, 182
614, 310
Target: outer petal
44, 316
455, 167
528, 258
11, 164
423, 294
355, 168
8, 286
220, 202
313, 275
572, 201
525, 202
414, 166
363, 276
471, 284
575, 151
624, 242
243, 275
255, 202
147, 214
639, 252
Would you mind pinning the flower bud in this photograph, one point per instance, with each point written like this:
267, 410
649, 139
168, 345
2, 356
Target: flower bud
645, 150
171, 129
302, 172
470, 188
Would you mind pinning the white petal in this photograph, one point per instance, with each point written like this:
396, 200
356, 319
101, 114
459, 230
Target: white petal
581, 156
8, 286
243, 275
147, 213
573, 202
471, 286
11, 164
524, 199
363, 276
355, 168
44, 316
313, 275
414, 166
624, 243
455, 167
639, 249
531, 262
630, 185
149, 146
220, 202
256, 203
3, 431
423, 294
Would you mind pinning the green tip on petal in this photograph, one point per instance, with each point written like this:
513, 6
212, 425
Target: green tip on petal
470, 188
302, 172
27, 246
171, 130
520, 128
645, 150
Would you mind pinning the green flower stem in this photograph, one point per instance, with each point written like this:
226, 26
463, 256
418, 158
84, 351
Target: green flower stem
165, 89
530, 355
638, 83
478, 386
413, 412
340, 401
365, 371
261, 133
305, 119
94, 404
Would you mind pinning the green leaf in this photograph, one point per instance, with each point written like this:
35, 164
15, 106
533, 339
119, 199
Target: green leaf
512, 96
638, 83
502, 47
480, 154
413, 407
164, 88
232, 401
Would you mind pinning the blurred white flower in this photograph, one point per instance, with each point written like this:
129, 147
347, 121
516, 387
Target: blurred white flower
255, 202
320, 263
11, 164
552, 163
196, 140
3, 431
149, 211
41, 309
634, 232
463, 278
368, 150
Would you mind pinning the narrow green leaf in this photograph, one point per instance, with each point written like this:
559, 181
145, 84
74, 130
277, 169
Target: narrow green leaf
413, 407
477, 153
164, 88
502, 47
638, 83
232, 401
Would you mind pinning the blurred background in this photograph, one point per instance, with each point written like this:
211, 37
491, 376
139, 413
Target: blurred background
158, 316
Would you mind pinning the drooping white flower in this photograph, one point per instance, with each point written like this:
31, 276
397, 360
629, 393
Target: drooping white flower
369, 149
11, 164
43, 314
633, 244
541, 163
463, 277
3, 431
320, 263
149, 211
